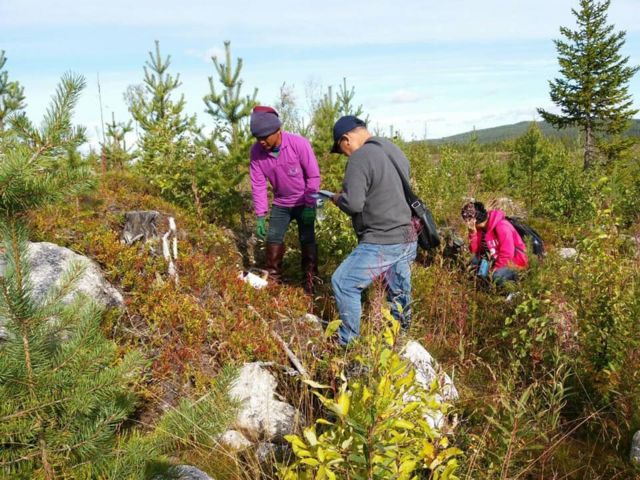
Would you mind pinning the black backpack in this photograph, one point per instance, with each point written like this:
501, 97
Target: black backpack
525, 231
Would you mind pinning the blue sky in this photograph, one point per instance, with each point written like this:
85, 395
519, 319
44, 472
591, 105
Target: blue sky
419, 66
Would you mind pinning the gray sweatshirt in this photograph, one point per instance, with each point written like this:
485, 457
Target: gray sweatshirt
372, 194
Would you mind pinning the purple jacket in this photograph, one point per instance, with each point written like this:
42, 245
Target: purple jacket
294, 175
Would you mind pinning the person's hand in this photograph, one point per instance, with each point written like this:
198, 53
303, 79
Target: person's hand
471, 225
335, 197
261, 227
308, 215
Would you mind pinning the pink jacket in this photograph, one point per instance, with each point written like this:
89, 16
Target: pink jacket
503, 241
294, 175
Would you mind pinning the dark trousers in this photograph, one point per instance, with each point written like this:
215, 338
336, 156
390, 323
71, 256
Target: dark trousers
279, 221
501, 275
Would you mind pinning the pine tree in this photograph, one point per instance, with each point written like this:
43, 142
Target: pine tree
115, 149
64, 393
528, 161
287, 108
167, 132
593, 90
11, 97
230, 110
326, 112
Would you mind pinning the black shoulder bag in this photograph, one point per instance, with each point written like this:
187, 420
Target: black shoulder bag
428, 238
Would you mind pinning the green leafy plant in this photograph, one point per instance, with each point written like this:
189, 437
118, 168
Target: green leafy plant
378, 424
604, 294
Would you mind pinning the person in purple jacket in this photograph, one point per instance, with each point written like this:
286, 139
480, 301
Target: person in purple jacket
286, 162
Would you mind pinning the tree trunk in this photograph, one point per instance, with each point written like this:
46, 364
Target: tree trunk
140, 225
588, 147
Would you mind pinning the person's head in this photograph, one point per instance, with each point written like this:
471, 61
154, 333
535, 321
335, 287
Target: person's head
475, 211
265, 125
349, 134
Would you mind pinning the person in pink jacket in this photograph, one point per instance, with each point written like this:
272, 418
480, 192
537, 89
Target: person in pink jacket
287, 163
492, 239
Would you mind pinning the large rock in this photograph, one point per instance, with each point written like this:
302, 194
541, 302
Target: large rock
234, 440
634, 456
271, 453
184, 472
49, 262
262, 417
427, 370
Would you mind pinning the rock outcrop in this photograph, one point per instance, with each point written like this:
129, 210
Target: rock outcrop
262, 416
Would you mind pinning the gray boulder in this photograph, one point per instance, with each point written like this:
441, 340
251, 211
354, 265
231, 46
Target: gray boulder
271, 453
634, 456
184, 472
49, 262
234, 440
427, 369
262, 417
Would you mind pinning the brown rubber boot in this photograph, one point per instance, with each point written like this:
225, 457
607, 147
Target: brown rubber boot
275, 254
309, 264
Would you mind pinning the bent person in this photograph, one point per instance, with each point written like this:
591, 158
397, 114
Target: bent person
373, 196
287, 163
498, 250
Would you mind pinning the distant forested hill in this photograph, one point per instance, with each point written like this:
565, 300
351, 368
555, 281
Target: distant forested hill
508, 132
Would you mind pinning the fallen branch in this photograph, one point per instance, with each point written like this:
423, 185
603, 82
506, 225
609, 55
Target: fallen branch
292, 356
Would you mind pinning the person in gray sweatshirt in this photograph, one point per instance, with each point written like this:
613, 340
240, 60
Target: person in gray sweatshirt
373, 196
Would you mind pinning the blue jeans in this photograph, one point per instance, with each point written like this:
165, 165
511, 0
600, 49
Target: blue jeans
279, 221
367, 262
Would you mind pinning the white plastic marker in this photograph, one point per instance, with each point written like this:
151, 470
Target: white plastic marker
256, 281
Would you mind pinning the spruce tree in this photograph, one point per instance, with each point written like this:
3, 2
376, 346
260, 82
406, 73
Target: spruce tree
593, 91
64, 392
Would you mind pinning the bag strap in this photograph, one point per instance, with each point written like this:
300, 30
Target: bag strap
409, 196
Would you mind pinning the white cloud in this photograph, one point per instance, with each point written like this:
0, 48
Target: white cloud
371, 22
405, 96
474, 58
208, 54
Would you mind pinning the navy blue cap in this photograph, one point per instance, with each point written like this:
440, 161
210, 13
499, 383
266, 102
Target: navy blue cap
344, 125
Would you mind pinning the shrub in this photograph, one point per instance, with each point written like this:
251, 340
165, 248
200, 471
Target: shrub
379, 423
602, 288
